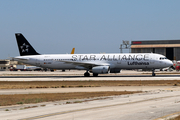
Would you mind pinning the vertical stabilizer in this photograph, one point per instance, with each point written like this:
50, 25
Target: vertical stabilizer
72, 52
24, 46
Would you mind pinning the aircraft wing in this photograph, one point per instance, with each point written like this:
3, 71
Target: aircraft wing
84, 63
22, 59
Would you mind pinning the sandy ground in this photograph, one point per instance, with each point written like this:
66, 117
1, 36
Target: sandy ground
156, 102
145, 106
90, 89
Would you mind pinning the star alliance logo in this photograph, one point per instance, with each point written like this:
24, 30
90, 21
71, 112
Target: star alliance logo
24, 48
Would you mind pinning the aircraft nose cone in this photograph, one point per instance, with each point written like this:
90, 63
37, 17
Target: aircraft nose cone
170, 63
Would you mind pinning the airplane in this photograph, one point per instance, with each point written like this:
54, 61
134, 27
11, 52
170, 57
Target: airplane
92, 63
72, 52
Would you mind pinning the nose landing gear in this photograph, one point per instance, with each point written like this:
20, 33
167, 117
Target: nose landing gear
153, 74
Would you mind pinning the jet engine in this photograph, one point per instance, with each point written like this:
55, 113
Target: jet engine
100, 69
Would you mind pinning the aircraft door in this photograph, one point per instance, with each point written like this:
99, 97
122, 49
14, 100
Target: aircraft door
38, 63
152, 60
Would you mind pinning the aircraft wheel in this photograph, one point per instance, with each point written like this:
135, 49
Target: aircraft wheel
95, 74
86, 74
153, 74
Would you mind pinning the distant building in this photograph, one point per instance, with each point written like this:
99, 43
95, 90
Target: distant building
169, 48
4, 64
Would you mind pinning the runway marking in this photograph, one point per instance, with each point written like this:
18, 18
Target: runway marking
70, 111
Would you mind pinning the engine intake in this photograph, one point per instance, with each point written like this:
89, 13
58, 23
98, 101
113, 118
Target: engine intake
100, 69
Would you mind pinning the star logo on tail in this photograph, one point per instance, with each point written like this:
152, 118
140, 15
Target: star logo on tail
24, 48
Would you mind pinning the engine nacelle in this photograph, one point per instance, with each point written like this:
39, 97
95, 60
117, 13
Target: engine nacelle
115, 70
100, 69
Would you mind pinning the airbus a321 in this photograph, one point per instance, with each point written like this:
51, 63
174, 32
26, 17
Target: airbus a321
94, 63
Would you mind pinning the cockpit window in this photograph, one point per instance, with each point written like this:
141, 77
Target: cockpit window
162, 58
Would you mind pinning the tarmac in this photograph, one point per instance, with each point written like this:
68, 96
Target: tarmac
75, 75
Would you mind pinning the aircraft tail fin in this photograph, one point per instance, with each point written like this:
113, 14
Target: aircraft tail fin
72, 52
24, 46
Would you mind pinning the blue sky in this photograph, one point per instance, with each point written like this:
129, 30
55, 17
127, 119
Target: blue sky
91, 26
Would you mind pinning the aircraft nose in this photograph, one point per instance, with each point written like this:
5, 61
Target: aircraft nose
169, 63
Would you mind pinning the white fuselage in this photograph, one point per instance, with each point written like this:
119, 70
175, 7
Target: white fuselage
114, 61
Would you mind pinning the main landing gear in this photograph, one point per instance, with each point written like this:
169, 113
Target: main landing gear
86, 74
153, 74
95, 74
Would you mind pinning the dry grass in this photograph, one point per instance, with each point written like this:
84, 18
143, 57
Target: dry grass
6, 100
177, 118
36, 98
68, 84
